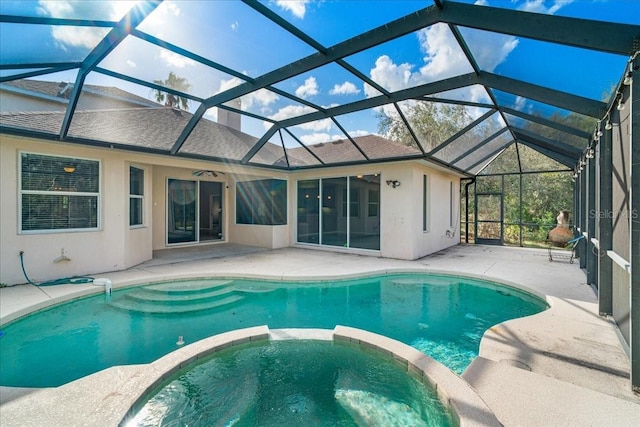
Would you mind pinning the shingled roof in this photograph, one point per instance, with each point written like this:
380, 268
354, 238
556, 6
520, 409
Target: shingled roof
343, 150
62, 90
156, 130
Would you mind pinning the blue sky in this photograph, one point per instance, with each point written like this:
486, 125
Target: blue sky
232, 34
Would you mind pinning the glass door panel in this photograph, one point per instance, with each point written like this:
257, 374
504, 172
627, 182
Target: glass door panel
181, 211
211, 209
364, 212
308, 208
334, 217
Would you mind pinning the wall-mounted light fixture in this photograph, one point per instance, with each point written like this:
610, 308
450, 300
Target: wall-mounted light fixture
608, 125
69, 169
393, 183
620, 105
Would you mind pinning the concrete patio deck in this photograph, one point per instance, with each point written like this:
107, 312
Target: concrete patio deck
562, 367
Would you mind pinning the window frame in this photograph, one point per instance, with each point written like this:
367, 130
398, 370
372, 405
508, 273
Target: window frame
353, 210
21, 193
140, 197
425, 203
375, 204
451, 204
247, 208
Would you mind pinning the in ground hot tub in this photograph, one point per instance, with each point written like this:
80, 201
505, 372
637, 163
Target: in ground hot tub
306, 377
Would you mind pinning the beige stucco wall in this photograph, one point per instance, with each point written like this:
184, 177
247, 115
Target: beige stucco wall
117, 246
256, 235
113, 246
401, 234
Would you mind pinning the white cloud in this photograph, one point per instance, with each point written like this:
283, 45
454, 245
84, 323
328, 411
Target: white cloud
317, 138
82, 36
309, 88
161, 22
291, 111
389, 75
318, 125
538, 6
229, 84
260, 97
520, 103
357, 133
234, 26
346, 88
83, 9
297, 7
174, 60
443, 57
55, 8
490, 49
78, 36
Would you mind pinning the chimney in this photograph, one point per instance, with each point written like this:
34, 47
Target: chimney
230, 118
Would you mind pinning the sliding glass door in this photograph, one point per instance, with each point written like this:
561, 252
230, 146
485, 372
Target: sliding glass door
211, 210
334, 219
194, 211
343, 211
181, 221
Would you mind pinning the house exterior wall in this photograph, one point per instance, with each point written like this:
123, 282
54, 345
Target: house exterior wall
401, 233
439, 207
10, 101
116, 245
265, 236
89, 251
271, 237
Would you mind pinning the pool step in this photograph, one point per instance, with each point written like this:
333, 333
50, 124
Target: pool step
179, 297
155, 308
145, 295
190, 287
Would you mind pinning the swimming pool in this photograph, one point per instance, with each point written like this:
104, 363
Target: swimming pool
443, 316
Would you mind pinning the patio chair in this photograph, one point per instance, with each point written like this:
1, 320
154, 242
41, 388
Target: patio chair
568, 246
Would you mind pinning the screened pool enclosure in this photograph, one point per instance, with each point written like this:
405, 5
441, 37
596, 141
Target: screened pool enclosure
521, 100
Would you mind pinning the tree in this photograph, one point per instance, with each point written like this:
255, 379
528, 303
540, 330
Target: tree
433, 123
170, 100
543, 193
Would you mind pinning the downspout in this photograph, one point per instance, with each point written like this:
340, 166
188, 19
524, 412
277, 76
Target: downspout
466, 210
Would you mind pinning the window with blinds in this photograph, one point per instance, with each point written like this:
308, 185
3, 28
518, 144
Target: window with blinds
58, 193
136, 196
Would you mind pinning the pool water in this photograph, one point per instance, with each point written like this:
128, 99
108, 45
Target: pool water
294, 383
443, 316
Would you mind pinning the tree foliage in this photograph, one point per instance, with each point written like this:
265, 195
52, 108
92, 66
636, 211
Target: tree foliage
168, 99
544, 193
433, 123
